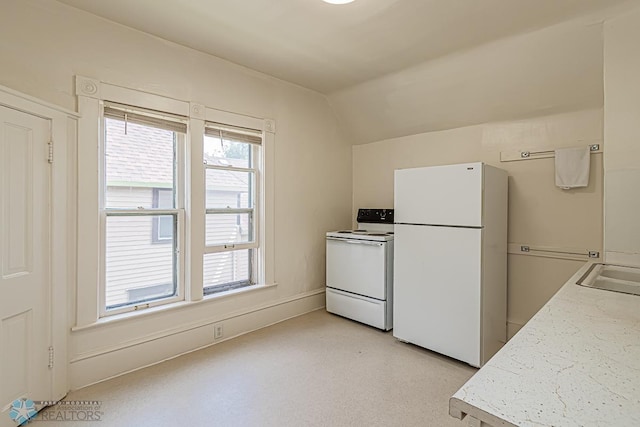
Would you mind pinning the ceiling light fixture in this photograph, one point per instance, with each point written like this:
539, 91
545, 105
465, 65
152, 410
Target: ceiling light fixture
337, 1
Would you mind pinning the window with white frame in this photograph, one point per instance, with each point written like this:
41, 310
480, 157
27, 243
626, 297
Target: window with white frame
160, 223
232, 158
142, 205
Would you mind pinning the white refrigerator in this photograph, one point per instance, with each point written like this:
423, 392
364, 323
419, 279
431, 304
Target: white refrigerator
450, 260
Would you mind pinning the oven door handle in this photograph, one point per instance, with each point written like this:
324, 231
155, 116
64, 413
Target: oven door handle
356, 241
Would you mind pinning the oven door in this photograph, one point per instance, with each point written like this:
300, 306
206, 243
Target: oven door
357, 266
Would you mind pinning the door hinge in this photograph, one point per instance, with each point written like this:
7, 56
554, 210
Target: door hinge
50, 158
51, 357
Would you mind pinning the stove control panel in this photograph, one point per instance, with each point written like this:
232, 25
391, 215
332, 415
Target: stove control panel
384, 216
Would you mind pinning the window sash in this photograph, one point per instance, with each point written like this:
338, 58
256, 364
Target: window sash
253, 246
177, 261
171, 123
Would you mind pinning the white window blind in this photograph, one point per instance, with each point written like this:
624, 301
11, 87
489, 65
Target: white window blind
151, 118
233, 133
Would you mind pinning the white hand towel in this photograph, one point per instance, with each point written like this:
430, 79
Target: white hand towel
572, 167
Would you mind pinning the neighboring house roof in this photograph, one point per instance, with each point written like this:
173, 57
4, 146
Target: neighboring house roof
143, 157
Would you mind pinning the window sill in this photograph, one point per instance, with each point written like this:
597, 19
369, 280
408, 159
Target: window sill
117, 318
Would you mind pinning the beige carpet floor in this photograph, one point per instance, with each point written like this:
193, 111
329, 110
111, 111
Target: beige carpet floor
314, 370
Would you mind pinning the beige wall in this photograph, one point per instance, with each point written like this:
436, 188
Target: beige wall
540, 214
44, 44
548, 71
622, 135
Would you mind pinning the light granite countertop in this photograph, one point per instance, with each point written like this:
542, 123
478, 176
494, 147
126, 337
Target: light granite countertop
575, 363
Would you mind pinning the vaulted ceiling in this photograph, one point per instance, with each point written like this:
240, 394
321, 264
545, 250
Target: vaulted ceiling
331, 47
392, 68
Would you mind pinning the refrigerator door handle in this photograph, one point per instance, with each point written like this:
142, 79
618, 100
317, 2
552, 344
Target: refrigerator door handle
356, 242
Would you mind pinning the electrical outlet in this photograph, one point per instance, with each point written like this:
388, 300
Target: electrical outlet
218, 331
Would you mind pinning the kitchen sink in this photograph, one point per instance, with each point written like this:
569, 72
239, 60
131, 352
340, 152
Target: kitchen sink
614, 278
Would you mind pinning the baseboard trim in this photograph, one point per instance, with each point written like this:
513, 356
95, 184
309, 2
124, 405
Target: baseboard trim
110, 362
187, 327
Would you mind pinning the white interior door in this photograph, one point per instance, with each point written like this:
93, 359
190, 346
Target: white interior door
25, 327
437, 289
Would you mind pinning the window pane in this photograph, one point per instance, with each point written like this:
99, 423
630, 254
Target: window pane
229, 189
163, 198
228, 229
136, 161
165, 228
136, 269
163, 225
227, 270
227, 153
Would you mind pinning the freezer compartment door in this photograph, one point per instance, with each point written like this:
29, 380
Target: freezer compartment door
357, 266
437, 289
366, 310
439, 195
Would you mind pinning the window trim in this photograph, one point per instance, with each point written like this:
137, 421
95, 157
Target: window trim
90, 92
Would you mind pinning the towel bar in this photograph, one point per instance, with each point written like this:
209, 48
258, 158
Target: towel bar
510, 156
577, 254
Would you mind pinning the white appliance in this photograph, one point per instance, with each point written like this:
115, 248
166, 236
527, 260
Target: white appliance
360, 270
450, 268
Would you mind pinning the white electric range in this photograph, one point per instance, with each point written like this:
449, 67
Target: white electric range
360, 270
